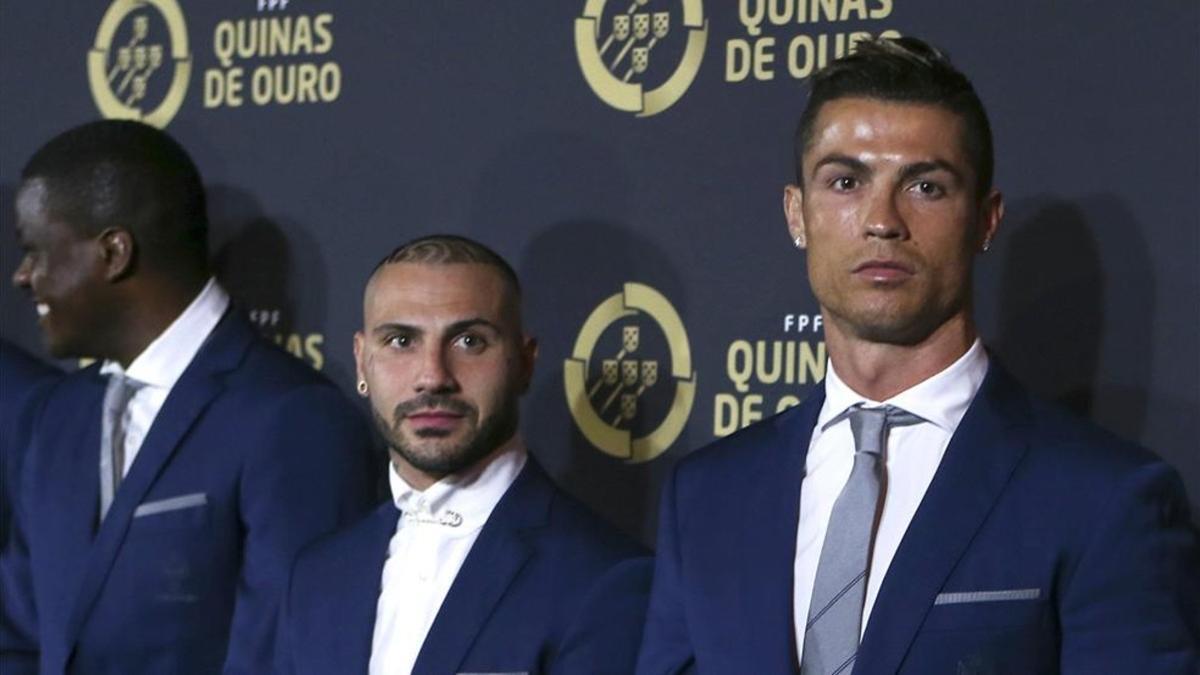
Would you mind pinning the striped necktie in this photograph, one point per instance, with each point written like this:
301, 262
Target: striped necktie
835, 613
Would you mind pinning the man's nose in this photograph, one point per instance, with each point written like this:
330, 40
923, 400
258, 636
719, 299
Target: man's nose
436, 374
883, 218
20, 277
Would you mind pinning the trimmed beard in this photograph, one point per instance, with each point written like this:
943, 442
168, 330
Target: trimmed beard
489, 435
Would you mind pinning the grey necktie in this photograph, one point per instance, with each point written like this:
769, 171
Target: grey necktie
835, 612
112, 437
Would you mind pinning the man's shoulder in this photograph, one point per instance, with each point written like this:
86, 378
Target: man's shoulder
1063, 440
1057, 436
571, 525
742, 454
258, 362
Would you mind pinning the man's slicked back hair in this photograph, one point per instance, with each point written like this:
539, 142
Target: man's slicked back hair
903, 70
120, 173
448, 249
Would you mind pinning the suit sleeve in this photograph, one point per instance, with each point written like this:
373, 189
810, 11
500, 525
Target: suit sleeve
1133, 602
666, 645
310, 474
605, 636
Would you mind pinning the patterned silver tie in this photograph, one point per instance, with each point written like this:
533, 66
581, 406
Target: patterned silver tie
112, 437
835, 613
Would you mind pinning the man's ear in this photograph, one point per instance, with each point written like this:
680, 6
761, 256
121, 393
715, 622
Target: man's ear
991, 212
118, 251
360, 376
529, 354
793, 209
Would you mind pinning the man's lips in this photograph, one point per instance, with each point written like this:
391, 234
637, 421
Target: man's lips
435, 418
883, 270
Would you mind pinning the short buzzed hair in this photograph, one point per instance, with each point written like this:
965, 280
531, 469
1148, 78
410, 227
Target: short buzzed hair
121, 173
902, 70
448, 249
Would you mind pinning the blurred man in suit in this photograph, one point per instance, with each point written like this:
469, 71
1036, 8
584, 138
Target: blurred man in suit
167, 486
478, 563
919, 512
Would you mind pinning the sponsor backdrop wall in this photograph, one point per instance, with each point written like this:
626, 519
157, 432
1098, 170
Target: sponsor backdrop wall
628, 157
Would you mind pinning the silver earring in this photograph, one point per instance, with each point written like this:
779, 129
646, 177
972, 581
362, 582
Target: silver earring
798, 241
362, 387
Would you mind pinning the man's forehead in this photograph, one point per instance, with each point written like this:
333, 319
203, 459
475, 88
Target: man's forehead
436, 290
910, 127
35, 217
32, 194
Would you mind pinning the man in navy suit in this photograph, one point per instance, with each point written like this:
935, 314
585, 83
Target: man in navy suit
167, 487
919, 512
478, 563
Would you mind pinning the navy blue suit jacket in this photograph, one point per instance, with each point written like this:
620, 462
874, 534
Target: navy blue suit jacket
1025, 499
21, 377
547, 587
252, 456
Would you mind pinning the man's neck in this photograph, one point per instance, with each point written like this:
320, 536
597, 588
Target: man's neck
879, 370
421, 480
152, 310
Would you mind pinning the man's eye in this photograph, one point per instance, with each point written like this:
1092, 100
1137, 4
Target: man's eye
400, 341
928, 188
470, 341
843, 183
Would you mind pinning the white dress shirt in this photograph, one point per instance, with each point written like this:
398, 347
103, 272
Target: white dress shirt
911, 458
160, 365
434, 534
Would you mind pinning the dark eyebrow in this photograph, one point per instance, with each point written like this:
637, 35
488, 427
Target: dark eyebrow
452, 329
394, 328
918, 168
842, 160
460, 326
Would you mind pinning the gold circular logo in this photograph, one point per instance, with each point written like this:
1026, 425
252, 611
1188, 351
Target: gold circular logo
606, 401
126, 68
613, 55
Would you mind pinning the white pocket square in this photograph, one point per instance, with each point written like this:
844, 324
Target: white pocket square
987, 596
171, 504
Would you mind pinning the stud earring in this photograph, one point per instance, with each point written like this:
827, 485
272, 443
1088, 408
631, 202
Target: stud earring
362, 387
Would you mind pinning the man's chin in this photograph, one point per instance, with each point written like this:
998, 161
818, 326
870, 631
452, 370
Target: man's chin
902, 335
437, 462
58, 349
894, 325
433, 433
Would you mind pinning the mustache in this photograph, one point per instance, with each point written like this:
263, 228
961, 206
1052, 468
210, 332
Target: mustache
429, 402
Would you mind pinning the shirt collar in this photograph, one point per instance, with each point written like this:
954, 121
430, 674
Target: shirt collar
463, 500
941, 400
163, 361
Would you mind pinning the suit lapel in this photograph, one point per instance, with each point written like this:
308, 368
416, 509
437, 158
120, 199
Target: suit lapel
977, 465
200, 383
502, 549
768, 527
71, 487
353, 604
63, 512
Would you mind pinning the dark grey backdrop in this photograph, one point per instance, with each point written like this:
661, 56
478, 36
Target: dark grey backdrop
473, 117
